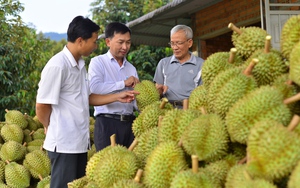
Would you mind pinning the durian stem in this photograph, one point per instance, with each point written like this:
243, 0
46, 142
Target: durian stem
163, 103
232, 55
185, 104
243, 160
203, 110
268, 44
234, 28
248, 70
160, 118
292, 99
31, 133
138, 176
289, 82
294, 123
133, 144
113, 140
41, 177
195, 163
6, 110
180, 142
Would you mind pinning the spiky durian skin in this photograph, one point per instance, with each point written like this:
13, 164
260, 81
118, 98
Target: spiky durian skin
290, 34
197, 98
121, 164
126, 183
147, 141
227, 88
294, 73
2, 168
148, 94
216, 63
265, 102
39, 134
16, 117
173, 131
12, 132
251, 39
44, 183
78, 183
17, 175
235, 176
38, 164
269, 67
267, 140
32, 125
294, 180
36, 144
166, 160
12, 151
206, 137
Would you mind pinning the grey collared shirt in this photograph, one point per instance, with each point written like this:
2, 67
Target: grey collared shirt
181, 79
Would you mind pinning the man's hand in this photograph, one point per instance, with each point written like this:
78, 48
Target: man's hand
131, 81
127, 96
162, 89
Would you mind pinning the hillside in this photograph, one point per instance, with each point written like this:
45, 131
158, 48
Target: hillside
56, 36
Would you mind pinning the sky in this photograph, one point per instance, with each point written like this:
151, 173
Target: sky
53, 15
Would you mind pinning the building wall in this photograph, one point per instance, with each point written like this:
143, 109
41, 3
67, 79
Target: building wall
210, 25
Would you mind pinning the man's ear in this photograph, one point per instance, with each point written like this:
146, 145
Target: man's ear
107, 41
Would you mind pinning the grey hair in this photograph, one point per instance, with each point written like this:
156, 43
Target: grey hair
188, 31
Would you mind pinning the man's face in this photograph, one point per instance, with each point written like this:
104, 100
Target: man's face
180, 45
119, 45
90, 44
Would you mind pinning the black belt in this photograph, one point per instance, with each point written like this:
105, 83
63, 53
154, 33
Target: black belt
118, 117
176, 103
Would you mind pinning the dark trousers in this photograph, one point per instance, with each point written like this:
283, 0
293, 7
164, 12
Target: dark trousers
105, 127
66, 167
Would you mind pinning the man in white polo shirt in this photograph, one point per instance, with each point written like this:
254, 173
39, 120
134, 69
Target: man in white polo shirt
62, 103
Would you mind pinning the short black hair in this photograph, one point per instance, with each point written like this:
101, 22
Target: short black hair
81, 27
116, 27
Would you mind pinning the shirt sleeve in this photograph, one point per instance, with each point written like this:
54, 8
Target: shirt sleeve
49, 86
159, 76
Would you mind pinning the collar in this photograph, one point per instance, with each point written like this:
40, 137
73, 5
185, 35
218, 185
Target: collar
111, 57
72, 60
192, 59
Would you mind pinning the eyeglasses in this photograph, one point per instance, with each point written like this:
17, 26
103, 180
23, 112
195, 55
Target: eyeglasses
178, 44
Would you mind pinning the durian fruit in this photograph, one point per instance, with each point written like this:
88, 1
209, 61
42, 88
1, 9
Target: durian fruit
247, 39
36, 144
265, 102
12, 151
38, 164
192, 178
238, 177
174, 123
134, 183
228, 87
272, 149
32, 124
78, 183
165, 161
16, 175
270, 66
36, 119
121, 164
290, 34
3, 185
148, 94
44, 183
218, 62
198, 98
38, 134
92, 128
294, 64
27, 136
2, 169
206, 137
91, 151
148, 118
147, 141
15, 117
12, 132
294, 179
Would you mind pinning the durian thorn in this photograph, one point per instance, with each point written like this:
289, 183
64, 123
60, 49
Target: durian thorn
268, 44
163, 103
41, 177
138, 176
232, 55
180, 142
247, 175
234, 28
248, 70
160, 118
195, 163
133, 144
113, 140
203, 110
243, 160
294, 123
292, 99
185, 104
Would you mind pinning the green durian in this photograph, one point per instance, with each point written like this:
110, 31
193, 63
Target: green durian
12, 151
148, 94
294, 71
16, 117
44, 183
198, 98
78, 183
12, 132
16, 175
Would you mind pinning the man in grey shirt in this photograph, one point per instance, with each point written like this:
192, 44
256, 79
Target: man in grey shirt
176, 76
